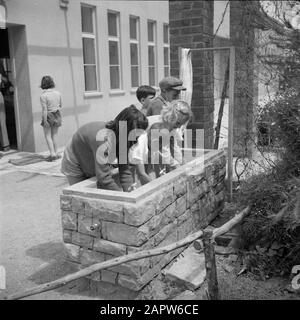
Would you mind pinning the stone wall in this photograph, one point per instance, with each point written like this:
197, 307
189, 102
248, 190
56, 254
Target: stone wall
191, 26
188, 201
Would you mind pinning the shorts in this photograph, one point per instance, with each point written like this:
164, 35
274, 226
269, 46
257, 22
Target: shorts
69, 164
53, 118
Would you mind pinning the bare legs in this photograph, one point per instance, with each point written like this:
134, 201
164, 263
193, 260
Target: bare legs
54, 134
51, 134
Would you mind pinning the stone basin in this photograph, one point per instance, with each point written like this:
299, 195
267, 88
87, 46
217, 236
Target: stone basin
159, 213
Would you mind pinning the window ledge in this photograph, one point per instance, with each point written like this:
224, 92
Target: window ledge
116, 92
94, 94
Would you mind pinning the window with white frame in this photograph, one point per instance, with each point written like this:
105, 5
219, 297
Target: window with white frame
113, 20
89, 48
134, 51
166, 50
152, 52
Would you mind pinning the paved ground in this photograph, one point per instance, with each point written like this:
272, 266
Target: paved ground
31, 248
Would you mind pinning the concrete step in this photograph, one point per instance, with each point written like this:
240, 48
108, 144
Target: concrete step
188, 269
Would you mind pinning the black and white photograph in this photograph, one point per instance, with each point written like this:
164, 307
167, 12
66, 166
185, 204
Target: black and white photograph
149, 154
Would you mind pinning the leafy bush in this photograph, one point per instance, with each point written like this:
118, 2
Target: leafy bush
271, 232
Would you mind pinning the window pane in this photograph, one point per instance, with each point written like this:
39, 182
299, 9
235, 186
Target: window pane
134, 54
112, 24
90, 78
166, 56
134, 77
150, 31
151, 56
133, 28
87, 19
113, 53
88, 51
166, 33
114, 78
167, 72
151, 76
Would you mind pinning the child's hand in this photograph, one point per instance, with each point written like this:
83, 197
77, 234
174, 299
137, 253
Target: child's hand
46, 124
132, 187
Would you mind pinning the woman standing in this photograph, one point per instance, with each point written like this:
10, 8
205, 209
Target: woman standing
51, 116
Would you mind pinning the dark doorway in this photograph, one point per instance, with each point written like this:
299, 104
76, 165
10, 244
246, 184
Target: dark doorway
8, 91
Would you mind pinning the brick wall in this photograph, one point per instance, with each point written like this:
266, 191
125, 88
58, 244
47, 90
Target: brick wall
162, 217
191, 26
242, 36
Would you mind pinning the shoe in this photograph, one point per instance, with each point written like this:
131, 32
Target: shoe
50, 158
7, 148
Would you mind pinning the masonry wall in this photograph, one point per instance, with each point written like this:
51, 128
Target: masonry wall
163, 217
191, 26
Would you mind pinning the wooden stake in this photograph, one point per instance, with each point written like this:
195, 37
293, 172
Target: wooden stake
210, 264
221, 109
104, 265
140, 255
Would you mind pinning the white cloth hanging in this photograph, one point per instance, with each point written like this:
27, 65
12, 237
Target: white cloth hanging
186, 75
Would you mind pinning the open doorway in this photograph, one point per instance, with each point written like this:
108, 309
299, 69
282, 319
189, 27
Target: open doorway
7, 90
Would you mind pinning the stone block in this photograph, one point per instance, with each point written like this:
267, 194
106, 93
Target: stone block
82, 240
69, 220
219, 187
109, 276
88, 257
65, 202
73, 252
67, 236
78, 204
186, 228
105, 210
95, 276
128, 282
134, 269
183, 217
163, 233
113, 248
203, 188
156, 223
180, 188
164, 198
139, 213
123, 233
169, 239
193, 276
180, 205
84, 226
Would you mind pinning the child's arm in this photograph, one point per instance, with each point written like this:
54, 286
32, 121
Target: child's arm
138, 155
143, 176
44, 110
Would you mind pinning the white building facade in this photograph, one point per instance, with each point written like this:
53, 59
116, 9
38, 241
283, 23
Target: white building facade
98, 53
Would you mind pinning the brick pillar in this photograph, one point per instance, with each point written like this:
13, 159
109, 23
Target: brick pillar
242, 36
191, 26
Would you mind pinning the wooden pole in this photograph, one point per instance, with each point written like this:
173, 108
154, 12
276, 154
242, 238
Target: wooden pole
103, 265
130, 257
231, 223
210, 265
221, 109
230, 119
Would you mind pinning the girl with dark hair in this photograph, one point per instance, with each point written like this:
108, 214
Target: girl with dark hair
95, 147
51, 118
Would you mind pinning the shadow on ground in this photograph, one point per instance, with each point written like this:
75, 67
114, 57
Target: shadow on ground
56, 266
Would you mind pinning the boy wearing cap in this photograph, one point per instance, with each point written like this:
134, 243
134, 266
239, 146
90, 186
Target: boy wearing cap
170, 88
